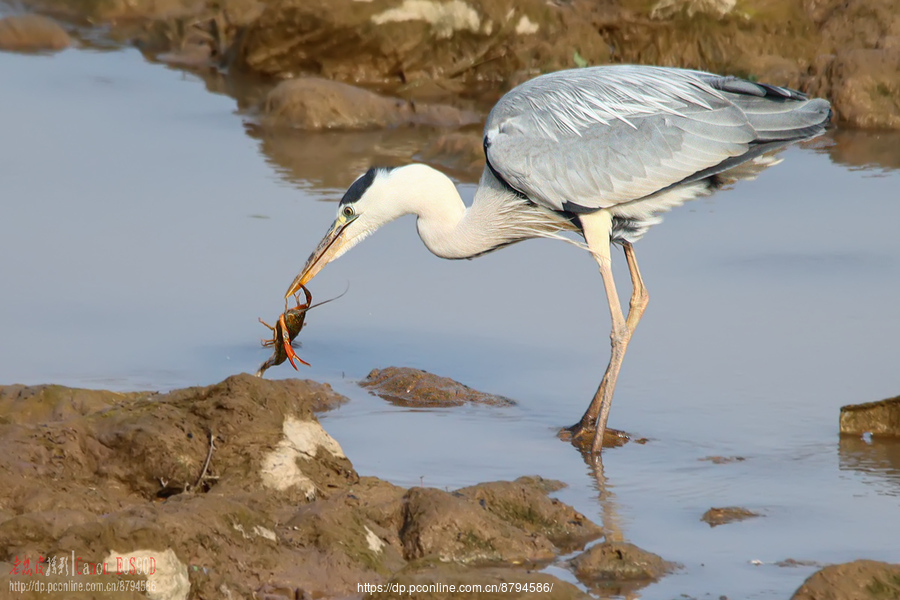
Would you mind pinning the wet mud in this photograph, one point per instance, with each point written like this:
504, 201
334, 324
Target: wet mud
236, 489
858, 580
619, 568
723, 460
314, 103
728, 514
32, 33
403, 386
848, 52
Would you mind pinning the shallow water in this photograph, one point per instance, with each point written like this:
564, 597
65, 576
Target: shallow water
146, 225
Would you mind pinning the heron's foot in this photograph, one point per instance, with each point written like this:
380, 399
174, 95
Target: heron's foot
581, 435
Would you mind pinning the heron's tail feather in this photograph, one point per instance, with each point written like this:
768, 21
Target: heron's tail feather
786, 120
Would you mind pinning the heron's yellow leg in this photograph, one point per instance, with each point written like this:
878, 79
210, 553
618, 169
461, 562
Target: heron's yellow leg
639, 295
597, 227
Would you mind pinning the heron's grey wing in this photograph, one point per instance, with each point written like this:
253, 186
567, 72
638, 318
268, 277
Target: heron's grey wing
594, 138
776, 113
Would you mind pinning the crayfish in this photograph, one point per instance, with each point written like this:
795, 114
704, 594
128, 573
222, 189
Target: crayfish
285, 330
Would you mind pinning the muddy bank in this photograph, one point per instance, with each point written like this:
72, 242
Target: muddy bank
32, 33
858, 580
848, 52
728, 514
403, 386
313, 103
236, 489
619, 568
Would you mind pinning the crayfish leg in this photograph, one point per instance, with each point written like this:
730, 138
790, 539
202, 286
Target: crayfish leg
288, 349
308, 299
292, 355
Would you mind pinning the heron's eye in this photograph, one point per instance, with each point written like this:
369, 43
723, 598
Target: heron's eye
347, 211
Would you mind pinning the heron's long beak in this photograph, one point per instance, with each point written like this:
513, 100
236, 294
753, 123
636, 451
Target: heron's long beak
330, 245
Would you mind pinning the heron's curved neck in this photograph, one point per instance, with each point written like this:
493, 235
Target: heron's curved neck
447, 227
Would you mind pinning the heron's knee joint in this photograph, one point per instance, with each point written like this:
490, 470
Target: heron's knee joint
618, 337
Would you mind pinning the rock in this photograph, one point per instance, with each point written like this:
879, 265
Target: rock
401, 41
340, 537
509, 522
666, 9
728, 514
85, 472
54, 403
865, 87
519, 584
111, 11
312, 103
619, 568
878, 418
451, 528
858, 580
190, 55
584, 440
845, 50
235, 490
413, 387
525, 504
723, 460
32, 33
791, 563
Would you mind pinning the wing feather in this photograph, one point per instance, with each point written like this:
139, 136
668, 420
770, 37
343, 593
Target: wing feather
594, 138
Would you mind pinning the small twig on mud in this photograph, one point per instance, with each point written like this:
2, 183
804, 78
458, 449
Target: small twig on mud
475, 62
212, 446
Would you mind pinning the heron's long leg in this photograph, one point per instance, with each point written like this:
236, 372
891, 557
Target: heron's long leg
639, 300
639, 295
597, 227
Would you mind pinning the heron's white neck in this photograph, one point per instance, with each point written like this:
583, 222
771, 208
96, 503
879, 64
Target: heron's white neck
447, 227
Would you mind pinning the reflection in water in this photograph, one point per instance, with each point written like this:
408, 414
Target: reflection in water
861, 149
609, 514
878, 460
330, 160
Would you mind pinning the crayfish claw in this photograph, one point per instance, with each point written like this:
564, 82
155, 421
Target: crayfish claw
292, 355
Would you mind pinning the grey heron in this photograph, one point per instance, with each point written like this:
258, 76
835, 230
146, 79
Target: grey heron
599, 151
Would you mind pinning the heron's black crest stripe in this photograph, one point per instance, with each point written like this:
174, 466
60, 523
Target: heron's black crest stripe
359, 187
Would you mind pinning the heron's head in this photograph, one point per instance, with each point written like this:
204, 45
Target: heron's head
368, 204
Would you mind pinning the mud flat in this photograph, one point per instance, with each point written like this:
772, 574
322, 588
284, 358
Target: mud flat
857, 580
848, 52
403, 386
236, 490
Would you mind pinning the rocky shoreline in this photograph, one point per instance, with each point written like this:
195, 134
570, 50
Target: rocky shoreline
241, 473
444, 52
235, 490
